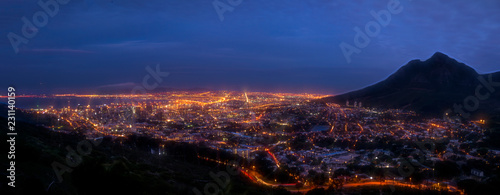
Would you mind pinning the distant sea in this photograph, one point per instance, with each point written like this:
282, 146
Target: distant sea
60, 102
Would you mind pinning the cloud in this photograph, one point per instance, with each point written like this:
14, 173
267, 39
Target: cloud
137, 45
55, 50
119, 85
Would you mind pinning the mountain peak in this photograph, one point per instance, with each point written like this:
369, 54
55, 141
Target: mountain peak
431, 86
439, 55
443, 63
437, 72
441, 58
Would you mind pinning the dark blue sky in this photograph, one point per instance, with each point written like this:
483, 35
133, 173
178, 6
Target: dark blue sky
262, 45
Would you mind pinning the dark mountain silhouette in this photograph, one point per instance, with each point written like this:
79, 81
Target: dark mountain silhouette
432, 87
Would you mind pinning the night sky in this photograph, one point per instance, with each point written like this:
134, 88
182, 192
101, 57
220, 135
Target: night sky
261, 45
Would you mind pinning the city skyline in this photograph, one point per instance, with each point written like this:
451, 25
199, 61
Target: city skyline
287, 141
